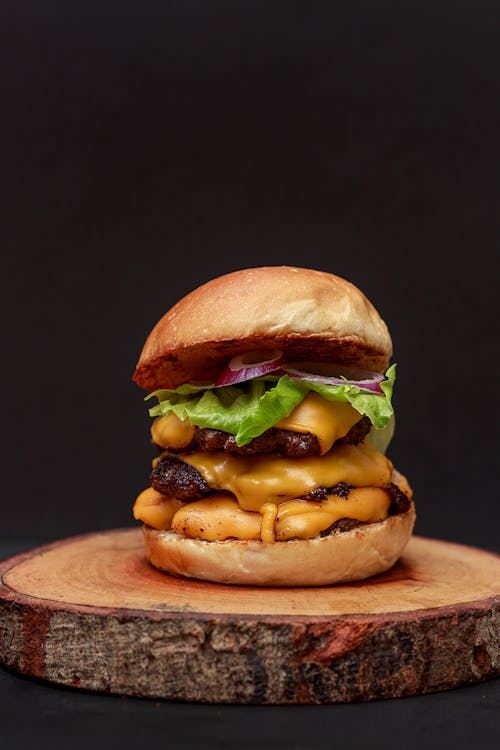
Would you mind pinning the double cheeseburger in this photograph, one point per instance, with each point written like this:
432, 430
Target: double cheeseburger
272, 416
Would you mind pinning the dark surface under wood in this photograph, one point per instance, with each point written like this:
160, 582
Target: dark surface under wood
183, 652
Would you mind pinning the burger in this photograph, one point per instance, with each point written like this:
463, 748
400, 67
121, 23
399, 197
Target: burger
271, 392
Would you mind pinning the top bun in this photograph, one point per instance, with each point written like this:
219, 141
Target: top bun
310, 315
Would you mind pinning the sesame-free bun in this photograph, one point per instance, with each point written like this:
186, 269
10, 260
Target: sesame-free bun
339, 558
310, 315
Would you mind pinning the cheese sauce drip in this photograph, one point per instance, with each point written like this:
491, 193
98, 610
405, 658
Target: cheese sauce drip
155, 509
172, 432
268, 511
259, 479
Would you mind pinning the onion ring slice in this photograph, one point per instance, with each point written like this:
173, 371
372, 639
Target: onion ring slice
250, 365
364, 379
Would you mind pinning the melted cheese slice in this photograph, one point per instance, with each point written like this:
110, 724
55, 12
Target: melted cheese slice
328, 420
304, 519
259, 479
219, 517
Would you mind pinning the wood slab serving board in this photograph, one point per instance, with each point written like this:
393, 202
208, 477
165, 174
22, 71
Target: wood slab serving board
90, 612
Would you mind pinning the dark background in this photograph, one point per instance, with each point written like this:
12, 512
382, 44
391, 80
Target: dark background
147, 147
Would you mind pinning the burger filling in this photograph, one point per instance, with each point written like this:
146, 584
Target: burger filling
315, 471
274, 440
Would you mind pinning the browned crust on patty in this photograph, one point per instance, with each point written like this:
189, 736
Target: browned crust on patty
275, 440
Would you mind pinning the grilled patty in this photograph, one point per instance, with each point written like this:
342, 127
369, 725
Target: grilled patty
173, 477
274, 440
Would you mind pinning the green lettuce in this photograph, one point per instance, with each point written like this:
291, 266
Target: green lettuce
380, 439
248, 409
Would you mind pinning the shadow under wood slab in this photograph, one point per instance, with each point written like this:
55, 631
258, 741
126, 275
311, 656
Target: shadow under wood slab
90, 612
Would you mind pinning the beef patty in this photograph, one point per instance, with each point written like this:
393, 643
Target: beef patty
274, 440
173, 477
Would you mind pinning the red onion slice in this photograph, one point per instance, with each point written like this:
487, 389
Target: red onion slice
250, 365
365, 379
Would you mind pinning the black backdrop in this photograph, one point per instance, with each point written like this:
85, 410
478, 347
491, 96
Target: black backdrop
147, 147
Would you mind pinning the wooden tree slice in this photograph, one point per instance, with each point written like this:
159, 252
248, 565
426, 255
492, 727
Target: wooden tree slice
90, 612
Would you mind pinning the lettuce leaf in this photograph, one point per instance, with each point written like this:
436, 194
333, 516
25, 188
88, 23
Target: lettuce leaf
377, 407
249, 409
380, 439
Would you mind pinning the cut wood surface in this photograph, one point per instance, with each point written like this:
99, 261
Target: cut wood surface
91, 612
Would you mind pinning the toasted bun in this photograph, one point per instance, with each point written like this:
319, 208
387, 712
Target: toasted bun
349, 556
311, 315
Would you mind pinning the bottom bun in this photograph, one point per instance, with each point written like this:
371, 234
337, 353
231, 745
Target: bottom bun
348, 556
